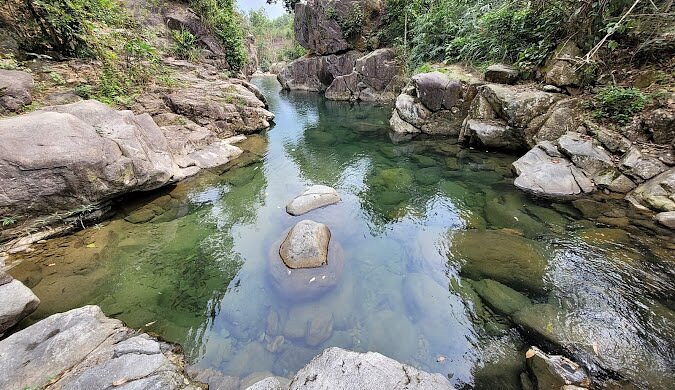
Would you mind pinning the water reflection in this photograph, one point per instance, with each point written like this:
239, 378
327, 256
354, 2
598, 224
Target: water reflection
446, 265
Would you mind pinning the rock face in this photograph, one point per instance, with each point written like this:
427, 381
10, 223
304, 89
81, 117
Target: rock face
336, 64
251, 53
319, 24
16, 302
306, 245
313, 198
83, 349
507, 117
15, 90
656, 194
435, 102
554, 371
341, 369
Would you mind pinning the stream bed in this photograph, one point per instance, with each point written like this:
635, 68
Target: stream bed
446, 265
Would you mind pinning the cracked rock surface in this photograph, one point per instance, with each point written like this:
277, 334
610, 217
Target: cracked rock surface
83, 349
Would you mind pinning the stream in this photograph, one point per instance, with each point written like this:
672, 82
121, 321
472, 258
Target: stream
446, 265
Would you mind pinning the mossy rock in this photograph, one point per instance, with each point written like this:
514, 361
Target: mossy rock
428, 176
424, 161
391, 198
320, 138
510, 259
500, 297
392, 179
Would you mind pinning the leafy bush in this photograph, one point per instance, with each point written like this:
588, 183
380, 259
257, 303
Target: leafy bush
225, 23
352, 24
618, 104
184, 45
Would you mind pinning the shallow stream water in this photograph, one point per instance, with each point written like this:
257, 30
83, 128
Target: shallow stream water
447, 266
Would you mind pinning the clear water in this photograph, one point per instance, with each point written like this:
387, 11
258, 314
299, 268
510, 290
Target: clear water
419, 225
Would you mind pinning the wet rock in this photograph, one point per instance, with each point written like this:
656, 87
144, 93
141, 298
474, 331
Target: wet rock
275, 345
640, 166
543, 320
91, 350
552, 372
306, 245
16, 302
305, 283
313, 198
582, 151
500, 297
319, 329
338, 368
560, 68
666, 219
545, 172
502, 74
15, 90
509, 259
215, 379
656, 194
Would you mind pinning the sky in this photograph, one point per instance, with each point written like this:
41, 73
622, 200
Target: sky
273, 10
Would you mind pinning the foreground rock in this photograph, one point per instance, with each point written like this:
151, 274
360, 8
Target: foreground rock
656, 194
555, 371
337, 368
313, 198
83, 349
306, 245
16, 302
435, 102
15, 90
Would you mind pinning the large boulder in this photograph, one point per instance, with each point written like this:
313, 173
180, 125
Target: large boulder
641, 166
382, 75
560, 68
306, 245
585, 153
316, 73
334, 26
83, 349
544, 171
435, 102
252, 54
656, 194
312, 198
15, 90
94, 153
502, 74
519, 111
336, 368
16, 302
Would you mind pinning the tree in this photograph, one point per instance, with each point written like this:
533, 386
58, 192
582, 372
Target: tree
288, 4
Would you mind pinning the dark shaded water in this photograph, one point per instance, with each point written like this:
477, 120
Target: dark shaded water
427, 230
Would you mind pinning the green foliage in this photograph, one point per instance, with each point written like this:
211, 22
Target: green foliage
288, 4
184, 45
618, 104
275, 39
7, 221
64, 26
84, 91
225, 23
352, 24
291, 53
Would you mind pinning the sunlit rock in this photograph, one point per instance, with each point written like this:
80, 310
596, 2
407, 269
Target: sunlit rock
314, 197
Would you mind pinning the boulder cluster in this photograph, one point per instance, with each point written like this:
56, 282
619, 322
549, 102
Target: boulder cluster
344, 61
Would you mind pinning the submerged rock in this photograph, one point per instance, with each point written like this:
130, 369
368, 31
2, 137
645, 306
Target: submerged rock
512, 260
554, 371
312, 198
500, 297
16, 302
92, 351
339, 368
306, 245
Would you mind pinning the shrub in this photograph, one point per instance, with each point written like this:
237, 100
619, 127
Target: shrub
184, 45
618, 104
225, 23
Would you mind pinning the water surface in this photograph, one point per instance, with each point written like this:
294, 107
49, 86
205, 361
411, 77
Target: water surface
423, 228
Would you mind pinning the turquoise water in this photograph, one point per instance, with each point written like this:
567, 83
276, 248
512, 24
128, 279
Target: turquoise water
446, 265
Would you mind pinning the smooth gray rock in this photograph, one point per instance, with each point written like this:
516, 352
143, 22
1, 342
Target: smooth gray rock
16, 302
666, 218
344, 88
493, 134
84, 349
271, 383
382, 74
585, 154
656, 194
306, 245
502, 74
336, 368
555, 371
313, 198
640, 166
560, 68
15, 90
316, 73
544, 174
436, 90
